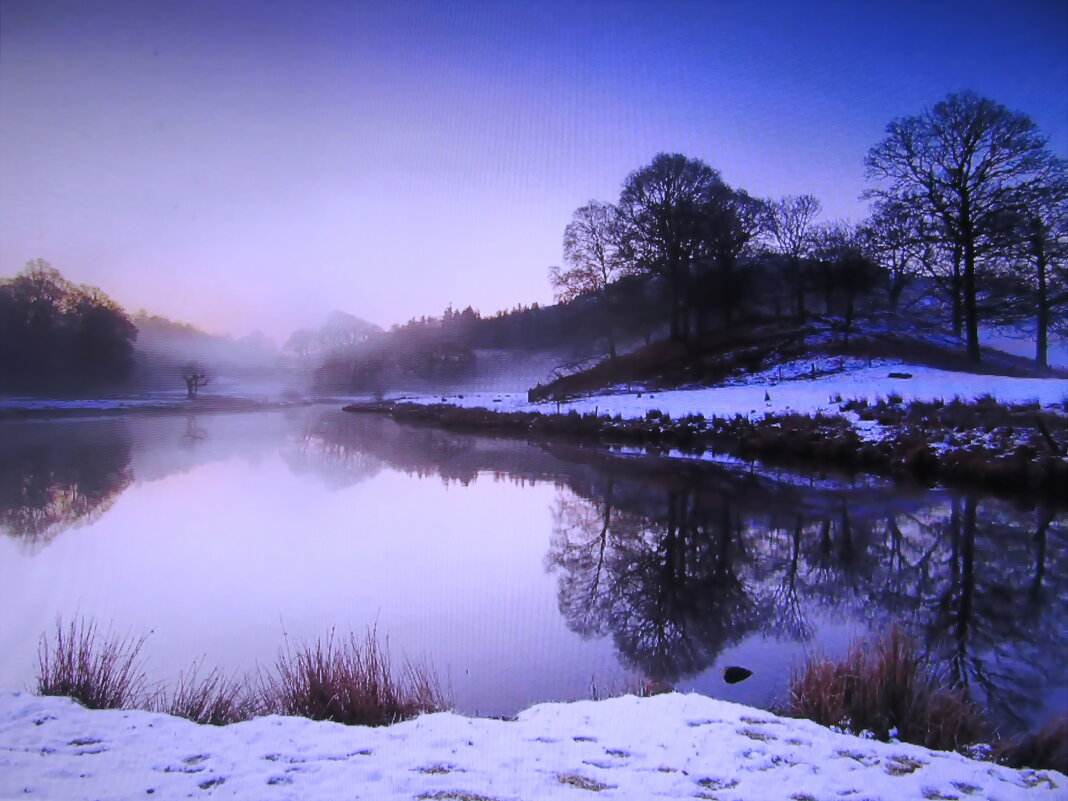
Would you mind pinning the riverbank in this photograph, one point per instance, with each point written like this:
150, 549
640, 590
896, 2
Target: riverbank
49, 408
668, 746
1003, 435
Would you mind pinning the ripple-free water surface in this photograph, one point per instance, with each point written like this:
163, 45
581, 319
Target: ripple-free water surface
522, 572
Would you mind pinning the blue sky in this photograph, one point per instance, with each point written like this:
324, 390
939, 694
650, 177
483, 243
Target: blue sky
256, 164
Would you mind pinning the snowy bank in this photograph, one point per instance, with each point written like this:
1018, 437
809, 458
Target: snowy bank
765, 392
667, 746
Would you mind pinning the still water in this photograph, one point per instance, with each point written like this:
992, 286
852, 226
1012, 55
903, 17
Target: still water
521, 572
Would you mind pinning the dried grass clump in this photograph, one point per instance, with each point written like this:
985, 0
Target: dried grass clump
1045, 749
348, 681
216, 699
99, 671
885, 687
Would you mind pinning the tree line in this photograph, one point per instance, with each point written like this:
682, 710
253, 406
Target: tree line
965, 194
58, 336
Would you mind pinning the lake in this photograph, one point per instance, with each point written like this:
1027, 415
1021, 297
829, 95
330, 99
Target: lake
522, 572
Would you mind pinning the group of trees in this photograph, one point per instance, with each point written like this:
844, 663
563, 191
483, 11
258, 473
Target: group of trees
55, 335
716, 252
972, 186
969, 217
965, 194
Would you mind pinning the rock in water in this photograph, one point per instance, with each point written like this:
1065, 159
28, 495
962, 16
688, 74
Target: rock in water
734, 674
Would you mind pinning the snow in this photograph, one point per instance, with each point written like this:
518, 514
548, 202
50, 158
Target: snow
667, 746
763, 392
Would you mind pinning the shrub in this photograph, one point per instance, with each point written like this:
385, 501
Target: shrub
99, 671
349, 681
884, 687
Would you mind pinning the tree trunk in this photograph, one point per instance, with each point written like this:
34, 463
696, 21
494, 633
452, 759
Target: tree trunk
1042, 340
609, 328
971, 315
897, 282
849, 310
677, 334
955, 289
799, 287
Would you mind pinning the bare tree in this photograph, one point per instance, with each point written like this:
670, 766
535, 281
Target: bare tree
195, 377
791, 229
1043, 229
662, 209
594, 262
897, 242
733, 219
963, 163
845, 268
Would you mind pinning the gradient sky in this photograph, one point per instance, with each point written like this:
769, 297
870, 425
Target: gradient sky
247, 165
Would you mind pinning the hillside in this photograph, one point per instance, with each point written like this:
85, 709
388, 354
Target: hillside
784, 349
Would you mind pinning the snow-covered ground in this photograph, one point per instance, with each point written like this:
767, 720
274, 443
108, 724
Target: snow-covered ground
765, 392
668, 746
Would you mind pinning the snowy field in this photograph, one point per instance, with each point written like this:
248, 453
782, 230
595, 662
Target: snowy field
765, 392
668, 746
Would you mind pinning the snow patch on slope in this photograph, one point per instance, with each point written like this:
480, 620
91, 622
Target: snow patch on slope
764, 392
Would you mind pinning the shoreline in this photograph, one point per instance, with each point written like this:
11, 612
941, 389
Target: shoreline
1006, 460
111, 407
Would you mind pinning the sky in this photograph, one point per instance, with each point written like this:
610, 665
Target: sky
254, 165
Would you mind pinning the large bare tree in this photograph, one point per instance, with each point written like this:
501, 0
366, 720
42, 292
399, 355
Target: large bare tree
965, 164
1043, 230
791, 230
663, 210
594, 262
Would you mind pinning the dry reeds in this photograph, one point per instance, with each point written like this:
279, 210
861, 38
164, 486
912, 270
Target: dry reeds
1045, 749
348, 681
887, 689
99, 671
344, 680
216, 699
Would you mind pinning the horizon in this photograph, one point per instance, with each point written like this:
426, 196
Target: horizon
247, 167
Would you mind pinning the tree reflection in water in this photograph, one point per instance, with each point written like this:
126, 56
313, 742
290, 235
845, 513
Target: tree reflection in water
674, 575
50, 483
676, 561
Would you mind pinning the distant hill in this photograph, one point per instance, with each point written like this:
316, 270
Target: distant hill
339, 330
161, 337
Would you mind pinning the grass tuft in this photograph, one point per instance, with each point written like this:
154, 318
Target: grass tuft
1046, 749
216, 699
99, 671
884, 687
349, 681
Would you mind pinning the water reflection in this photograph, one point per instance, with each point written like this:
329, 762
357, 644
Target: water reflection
53, 477
673, 563
676, 576
678, 562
